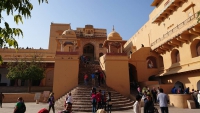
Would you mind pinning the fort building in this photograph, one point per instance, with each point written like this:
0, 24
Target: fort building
164, 52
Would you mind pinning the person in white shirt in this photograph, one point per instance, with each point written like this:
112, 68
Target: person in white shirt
137, 104
69, 99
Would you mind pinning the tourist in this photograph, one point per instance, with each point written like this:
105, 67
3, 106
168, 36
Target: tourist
86, 79
148, 105
158, 90
137, 104
162, 98
198, 97
174, 90
98, 77
180, 90
1, 98
103, 100
98, 96
109, 103
20, 107
69, 101
43, 110
139, 90
187, 90
101, 78
194, 95
154, 94
94, 102
93, 79
51, 102
144, 97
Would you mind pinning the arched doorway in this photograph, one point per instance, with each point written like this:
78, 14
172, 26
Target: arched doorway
198, 84
132, 76
177, 84
88, 51
49, 78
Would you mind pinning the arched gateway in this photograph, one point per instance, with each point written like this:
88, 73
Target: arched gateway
88, 51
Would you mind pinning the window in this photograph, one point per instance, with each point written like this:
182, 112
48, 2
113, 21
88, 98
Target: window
195, 48
175, 56
151, 62
198, 49
101, 45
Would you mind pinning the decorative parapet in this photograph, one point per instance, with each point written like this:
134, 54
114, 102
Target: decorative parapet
180, 28
66, 53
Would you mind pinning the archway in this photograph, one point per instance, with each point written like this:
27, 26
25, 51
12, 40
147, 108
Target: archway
88, 51
177, 84
132, 76
49, 78
198, 84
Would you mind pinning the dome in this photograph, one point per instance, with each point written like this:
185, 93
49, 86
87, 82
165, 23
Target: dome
69, 34
114, 36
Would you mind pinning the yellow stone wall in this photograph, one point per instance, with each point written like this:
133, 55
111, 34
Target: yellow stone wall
117, 75
66, 74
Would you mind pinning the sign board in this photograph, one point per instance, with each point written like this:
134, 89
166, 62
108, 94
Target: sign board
46, 94
37, 96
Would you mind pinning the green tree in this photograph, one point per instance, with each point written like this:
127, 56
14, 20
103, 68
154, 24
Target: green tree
26, 69
198, 17
19, 9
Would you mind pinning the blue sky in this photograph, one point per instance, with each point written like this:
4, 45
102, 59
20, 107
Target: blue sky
126, 15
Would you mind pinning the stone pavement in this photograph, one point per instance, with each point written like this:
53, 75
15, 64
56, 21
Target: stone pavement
34, 108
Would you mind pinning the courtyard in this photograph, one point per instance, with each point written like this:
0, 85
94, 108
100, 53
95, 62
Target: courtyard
34, 108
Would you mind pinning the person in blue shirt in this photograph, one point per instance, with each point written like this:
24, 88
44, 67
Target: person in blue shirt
93, 79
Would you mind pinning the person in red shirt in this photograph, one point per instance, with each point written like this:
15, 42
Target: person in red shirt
98, 96
86, 79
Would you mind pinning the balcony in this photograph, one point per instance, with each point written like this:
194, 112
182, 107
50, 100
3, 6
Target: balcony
177, 35
169, 7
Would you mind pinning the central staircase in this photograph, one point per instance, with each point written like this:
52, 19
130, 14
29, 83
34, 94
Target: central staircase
81, 93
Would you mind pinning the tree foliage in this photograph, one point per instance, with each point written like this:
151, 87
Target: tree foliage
198, 17
19, 9
25, 69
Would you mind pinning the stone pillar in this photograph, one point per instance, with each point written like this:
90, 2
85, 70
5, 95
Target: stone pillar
117, 73
65, 74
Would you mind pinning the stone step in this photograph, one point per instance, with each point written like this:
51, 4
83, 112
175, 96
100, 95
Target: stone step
83, 109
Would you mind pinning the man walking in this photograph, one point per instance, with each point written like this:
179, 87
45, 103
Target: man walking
1, 98
162, 98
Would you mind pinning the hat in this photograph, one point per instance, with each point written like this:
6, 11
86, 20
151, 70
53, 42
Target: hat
43, 110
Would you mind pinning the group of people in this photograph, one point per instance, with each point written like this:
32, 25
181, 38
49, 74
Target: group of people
97, 74
150, 98
100, 100
180, 90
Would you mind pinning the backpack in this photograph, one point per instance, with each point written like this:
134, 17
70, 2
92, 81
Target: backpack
22, 109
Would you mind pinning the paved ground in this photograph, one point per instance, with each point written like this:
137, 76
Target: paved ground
34, 108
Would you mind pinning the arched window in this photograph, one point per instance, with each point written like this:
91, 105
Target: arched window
195, 48
161, 61
198, 49
175, 56
100, 45
151, 62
